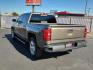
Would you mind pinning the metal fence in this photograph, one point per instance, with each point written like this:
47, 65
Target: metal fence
0, 21
88, 22
6, 21
92, 26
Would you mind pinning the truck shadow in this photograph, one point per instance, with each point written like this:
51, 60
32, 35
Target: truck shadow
24, 50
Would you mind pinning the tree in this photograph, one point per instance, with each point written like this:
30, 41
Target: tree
15, 14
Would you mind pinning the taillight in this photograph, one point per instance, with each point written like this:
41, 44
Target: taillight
85, 32
47, 34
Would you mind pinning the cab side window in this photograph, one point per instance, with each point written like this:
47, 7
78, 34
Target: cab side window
23, 19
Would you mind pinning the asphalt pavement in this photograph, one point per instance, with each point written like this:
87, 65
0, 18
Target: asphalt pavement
15, 56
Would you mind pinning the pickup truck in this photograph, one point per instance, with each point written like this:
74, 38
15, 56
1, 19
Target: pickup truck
42, 33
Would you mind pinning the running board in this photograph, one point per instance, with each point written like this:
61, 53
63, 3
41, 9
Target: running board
20, 40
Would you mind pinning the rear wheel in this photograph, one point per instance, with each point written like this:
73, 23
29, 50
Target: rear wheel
34, 49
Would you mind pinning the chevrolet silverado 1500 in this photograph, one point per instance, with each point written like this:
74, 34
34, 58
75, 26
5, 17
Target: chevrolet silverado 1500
42, 33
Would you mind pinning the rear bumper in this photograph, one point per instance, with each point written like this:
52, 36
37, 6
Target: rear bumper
59, 47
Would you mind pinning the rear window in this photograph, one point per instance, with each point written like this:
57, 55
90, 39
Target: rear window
38, 18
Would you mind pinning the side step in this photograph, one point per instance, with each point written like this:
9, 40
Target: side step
20, 40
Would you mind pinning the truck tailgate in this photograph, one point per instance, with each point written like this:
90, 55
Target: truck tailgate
62, 32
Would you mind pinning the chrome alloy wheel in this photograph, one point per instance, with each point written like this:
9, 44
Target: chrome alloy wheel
32, 47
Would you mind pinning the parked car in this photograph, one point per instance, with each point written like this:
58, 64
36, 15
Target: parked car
42, 33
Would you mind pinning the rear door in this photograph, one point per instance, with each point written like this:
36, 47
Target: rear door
18, 22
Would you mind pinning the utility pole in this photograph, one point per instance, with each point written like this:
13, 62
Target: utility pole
86, 7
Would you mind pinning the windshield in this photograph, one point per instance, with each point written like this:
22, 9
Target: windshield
38, 18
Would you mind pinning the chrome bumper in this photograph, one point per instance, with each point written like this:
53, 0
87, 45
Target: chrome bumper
64, 46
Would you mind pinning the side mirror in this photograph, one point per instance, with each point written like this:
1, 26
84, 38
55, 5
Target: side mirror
14, 20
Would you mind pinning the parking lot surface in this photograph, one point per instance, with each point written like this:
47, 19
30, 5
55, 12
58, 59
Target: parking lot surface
15, 56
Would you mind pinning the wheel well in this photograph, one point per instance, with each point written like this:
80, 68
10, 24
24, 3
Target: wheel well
31, 35
12, 28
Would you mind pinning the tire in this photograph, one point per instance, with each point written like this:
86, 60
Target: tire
12, 34
34, 49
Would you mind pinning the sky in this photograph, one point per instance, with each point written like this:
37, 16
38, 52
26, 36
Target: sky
19, 6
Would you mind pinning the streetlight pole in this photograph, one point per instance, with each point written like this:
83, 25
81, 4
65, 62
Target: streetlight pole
86, 7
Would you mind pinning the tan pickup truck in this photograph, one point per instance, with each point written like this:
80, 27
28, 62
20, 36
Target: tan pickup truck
42, 33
